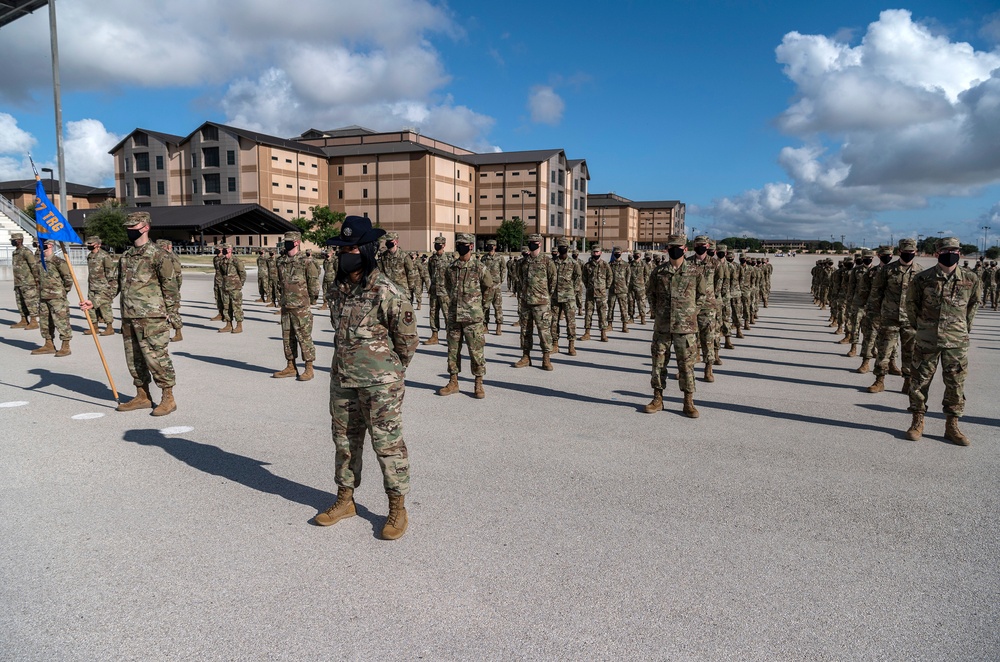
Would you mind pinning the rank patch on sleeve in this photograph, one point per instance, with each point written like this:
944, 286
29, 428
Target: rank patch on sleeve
408, 317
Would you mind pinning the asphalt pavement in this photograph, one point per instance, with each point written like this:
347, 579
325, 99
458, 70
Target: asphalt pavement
552, 520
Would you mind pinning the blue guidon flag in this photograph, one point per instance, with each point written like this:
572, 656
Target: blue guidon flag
49, 221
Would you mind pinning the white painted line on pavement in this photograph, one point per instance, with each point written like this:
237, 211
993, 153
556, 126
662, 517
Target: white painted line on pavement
87, 416
177, 429
13, 403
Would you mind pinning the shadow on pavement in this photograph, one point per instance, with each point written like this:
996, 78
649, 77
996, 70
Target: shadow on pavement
22, 344
239, 365
976, 420
75, 383
553, 393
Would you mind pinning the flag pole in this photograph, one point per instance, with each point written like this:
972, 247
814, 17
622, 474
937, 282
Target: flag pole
90, 322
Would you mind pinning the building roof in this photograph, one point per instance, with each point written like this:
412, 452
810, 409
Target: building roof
530, 156
11, 10
656, 204
52, 187
344, 131
260, 138
366, 149
216, 219
163, 137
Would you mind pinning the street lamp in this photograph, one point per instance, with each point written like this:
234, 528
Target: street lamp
52, 190
986, 231
525, 192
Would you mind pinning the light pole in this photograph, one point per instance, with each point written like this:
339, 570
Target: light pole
52, 190
986, 232
525, 192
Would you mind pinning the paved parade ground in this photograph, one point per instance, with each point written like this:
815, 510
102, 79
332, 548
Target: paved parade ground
552, 520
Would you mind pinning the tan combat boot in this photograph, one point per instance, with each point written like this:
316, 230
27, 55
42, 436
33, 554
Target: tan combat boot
307, 372
546, 364
853, 351
88, 331
238, 328
717, 360
167, 404
879, 384
499, 330
396, 522
259, 301
916, 427
47, 348
624, 326
604, 335
32, 324
217, 318
739, 334
572, 347
555, 345
342, 509
689, 409
586, 335
906, 385
729, 343
656, 404
327, 307
709, 377
228, 328
109, 330
524, 362
479, 392
433, 340
20, 325
177, 336
450, 387
142, 400
746, 325
846, 340
863, 368
893, 369
64, 350
839, 330
289, 371
952, 433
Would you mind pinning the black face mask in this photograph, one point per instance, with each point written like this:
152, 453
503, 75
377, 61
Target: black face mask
906, 257
742, 261
711, 253
524, 254
533, 246
729, 258
15, 243
867, 261
563, 250
133, 234
885, 259
390, 245
463, 249
949, 259
701, 250
438, 247
595, 258
676, 252
649, 259
289, 245
350, 262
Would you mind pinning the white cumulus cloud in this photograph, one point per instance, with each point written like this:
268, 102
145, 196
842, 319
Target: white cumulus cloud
901, 117
545, 105
85, 146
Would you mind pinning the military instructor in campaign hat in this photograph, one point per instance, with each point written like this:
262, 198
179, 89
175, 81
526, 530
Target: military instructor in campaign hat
376, 337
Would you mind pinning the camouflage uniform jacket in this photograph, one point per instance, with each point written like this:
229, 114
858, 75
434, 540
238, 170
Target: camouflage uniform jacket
745, 278
26, 267
873, 306
675, 295
148, 283
217, 263
637, 275
723, 280
709, 269
647, 266
941, 307
497, 267
261, 264
619, 277
470, 286
437, 265
177, 266
568, 276
100, 271
298, 281
272, 268
864, 288
538, 280
56, 280
398, 268
376, 332
234, 274
425, 276
330, 266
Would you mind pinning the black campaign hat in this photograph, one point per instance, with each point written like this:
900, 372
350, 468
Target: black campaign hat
354, 231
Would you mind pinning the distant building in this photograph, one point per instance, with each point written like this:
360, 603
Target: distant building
614, 220
78, 196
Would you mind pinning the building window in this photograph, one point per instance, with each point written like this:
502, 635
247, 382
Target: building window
128, 164
213, 202
483, 174
289, 211
364, 169
562, 199
212, 183
230, 157
274, 183
515, 195
515, 174
128, 190
210, 133
275, 209
142, 186
500, 174
315, 190
194, 160
499, 195
531, 173
482, 197
553, 176
274, 158
552, 219
144, 204
232, 184
340, 171
364, 193
560, 220
314, 165
140, 140
265, 237
366, 214
340, 194
159, 162
575, 203
288, 186
458, 174
482, 218
562, 178
288, 160
74, 205
552, 198
142, 162
458, 197
458, 219
302, 163
161, 188
210, 155
194, 186
302, 188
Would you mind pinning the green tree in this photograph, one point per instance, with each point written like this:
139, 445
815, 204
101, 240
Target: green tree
106, 221
993, 252
510, 234
968, 249
324, 224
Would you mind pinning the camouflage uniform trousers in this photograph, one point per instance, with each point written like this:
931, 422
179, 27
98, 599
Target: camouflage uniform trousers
264, 286
438, 304
146, 340
232, 305
567, 310
296, 332
746, 308
887, 347
636, 302
954, 367
723, 321
378, 410
736, 311
597, 300
53, 314
218, 299
755, 301
275, 297
622, 301
853, 322
497, 305
869, 333
708, 337
536, 317
26, 297
104, 314
474, 334
684, 344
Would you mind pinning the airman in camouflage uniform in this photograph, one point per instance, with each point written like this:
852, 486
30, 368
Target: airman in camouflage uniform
888, 297
217, 283
234, 276
376, 338
150, 300
723, 289
298, 288
870, 317
676, 292
437, 293
53, 309
330, 264
988, 276
568, 278
734, 295
637, 274
422, 278
26, 274
470, 288
398, 268
538, 287
498, 272
101, 272
707, 331
618, 289
176, 322
860, 288
272, 277
596, 279
263, 282
941, 304
744, 284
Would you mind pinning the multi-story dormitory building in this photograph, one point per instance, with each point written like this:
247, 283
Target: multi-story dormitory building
411, 184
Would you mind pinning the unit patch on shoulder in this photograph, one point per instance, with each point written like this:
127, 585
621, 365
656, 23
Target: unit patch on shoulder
408, 317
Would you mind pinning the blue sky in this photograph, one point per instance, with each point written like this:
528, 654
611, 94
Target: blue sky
770, 118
